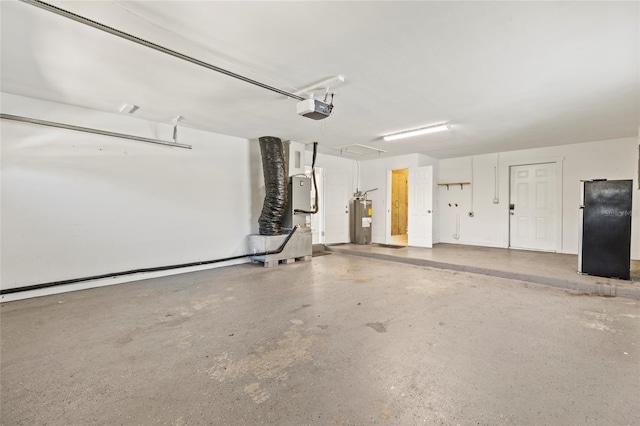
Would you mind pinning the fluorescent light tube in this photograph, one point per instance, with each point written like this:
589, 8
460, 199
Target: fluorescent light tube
417, 132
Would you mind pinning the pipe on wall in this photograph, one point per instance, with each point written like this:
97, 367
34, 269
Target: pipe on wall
496, 181
90, 130
456, 234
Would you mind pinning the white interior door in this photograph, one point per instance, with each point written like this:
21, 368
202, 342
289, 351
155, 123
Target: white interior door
532, 207
336, 213
421, 206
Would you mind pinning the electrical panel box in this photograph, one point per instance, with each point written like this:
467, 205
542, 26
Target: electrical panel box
299, 199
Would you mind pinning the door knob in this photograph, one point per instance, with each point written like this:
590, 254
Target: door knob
429, 211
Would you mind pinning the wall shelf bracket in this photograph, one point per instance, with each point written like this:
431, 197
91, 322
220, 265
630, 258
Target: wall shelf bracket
454, 183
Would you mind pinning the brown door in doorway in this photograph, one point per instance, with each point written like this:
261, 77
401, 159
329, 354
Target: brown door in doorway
399, 201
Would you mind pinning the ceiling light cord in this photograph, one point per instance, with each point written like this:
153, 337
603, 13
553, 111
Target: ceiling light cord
126, 36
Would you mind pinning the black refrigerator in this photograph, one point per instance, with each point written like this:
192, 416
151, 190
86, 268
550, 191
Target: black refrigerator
605, 234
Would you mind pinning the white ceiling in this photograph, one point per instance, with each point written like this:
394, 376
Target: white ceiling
506, 75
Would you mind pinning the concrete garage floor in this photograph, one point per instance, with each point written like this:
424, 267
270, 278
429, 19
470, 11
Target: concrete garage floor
555, 269
340, 340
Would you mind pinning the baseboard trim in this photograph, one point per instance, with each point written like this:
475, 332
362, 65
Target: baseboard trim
103, 282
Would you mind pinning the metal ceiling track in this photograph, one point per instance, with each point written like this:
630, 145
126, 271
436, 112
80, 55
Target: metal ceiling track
90, 130
126, 36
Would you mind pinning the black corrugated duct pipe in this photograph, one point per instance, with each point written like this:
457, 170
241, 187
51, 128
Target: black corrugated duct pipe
275, 184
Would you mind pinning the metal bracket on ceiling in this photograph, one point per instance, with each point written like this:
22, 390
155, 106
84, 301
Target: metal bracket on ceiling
175, 121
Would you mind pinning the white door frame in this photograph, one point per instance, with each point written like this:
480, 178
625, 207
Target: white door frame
387, 223
412, 242
342, 207
387, 207
388, 239
505, 170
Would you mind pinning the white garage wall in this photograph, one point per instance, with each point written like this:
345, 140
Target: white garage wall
485, 228
335, 164
76, 204
613, 159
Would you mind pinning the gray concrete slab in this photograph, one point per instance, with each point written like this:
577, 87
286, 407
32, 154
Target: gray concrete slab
340, 340
553, 269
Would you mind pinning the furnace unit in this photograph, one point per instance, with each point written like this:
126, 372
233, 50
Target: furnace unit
299, 203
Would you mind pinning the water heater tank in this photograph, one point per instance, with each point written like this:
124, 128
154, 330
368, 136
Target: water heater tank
361, 216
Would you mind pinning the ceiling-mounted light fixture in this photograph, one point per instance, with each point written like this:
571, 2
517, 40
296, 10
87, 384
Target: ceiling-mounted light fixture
417, 132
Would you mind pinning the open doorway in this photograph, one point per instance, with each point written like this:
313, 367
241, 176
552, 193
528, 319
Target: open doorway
399, 206
413, 189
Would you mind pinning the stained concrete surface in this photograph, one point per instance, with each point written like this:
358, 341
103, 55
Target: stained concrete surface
340, 340
555, 269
